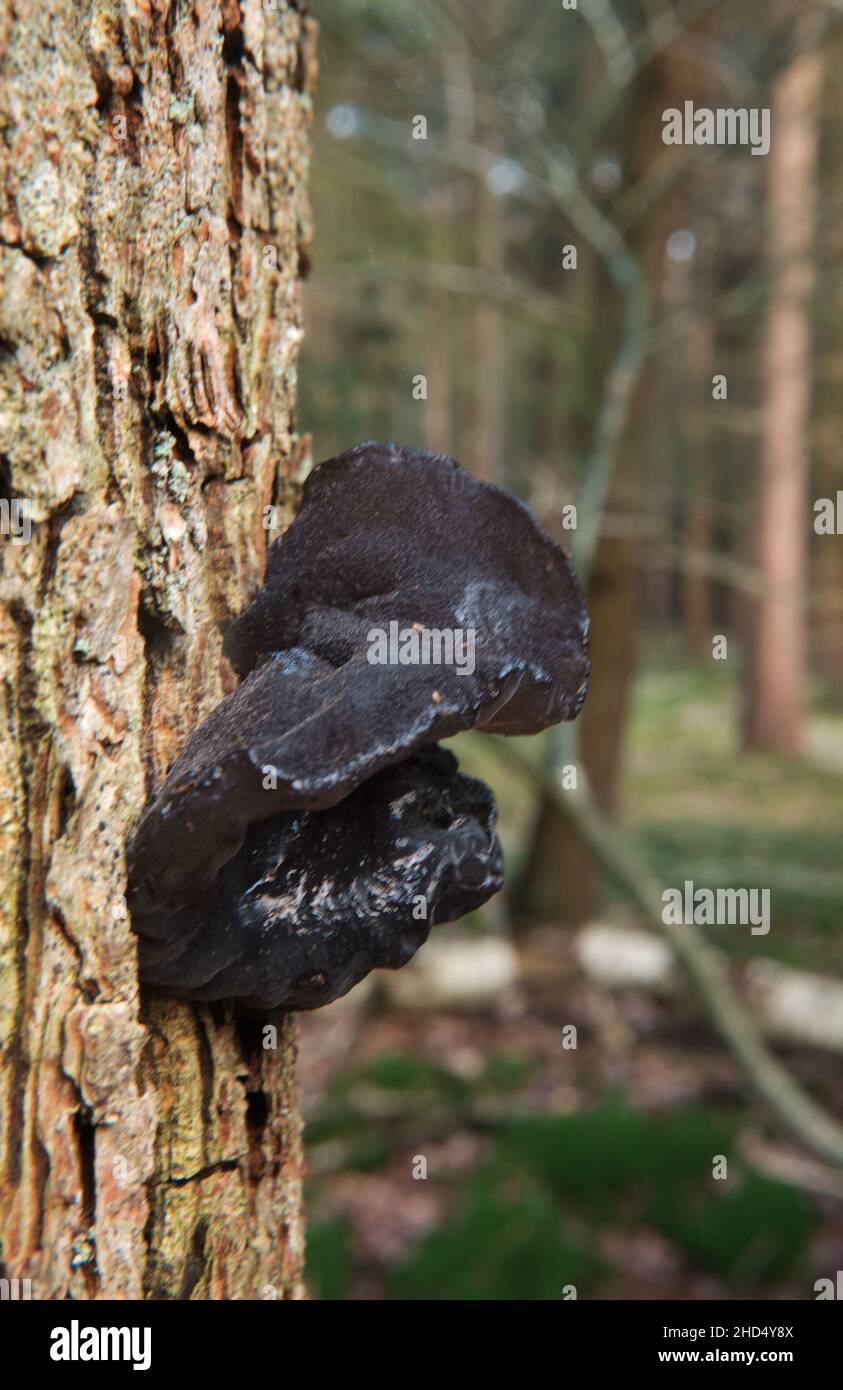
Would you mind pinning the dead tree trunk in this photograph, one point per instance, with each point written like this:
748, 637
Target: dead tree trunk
152, 223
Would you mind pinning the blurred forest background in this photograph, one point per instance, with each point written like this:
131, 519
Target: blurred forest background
678, 380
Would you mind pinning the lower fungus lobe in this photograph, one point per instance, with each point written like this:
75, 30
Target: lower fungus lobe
314, 900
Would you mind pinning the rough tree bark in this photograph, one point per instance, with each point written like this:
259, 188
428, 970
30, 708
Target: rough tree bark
153, 221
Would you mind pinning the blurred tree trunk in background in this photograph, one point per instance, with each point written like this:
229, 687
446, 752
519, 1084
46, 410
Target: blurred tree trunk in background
439, 408
153, 218
440, 411
559, 882
827, 573
827, 551
487, 342
774, 694
699, 538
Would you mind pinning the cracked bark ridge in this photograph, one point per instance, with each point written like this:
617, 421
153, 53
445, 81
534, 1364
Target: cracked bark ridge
153, 218
279, 862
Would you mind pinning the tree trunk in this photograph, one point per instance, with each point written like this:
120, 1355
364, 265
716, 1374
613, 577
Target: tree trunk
699, 537
560, 881
153, 216
827, 552
487, 342
776, 668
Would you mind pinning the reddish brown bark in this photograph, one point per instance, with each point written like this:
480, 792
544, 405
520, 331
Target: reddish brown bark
152, 217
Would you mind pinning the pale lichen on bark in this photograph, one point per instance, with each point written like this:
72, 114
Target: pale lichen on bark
153, 219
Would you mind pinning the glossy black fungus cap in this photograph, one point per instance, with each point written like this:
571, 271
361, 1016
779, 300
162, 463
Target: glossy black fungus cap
384, 535
315, 900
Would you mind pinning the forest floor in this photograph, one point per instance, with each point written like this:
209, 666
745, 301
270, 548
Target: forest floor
470, 1154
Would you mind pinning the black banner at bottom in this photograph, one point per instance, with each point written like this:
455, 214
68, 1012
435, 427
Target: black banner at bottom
266, 1338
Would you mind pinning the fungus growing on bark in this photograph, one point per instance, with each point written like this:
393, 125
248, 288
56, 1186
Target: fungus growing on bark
314, 900
406, 603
